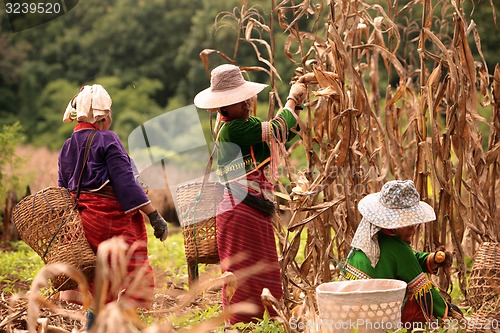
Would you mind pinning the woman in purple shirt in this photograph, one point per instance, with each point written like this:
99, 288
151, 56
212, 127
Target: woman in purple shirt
111, 199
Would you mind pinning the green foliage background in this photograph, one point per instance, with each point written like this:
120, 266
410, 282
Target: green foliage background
146, 53
10, 136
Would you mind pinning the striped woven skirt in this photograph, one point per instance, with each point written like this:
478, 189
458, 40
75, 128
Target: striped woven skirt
247, 248
103, 218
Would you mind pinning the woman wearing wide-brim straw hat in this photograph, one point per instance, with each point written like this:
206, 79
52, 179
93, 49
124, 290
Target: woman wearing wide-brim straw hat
381, 249
246, 146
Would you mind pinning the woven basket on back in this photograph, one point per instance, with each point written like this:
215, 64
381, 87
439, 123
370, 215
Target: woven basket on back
372, 305
484, 289
197, 212
49, 223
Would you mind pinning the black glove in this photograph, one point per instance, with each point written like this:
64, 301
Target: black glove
454, 311
159, 225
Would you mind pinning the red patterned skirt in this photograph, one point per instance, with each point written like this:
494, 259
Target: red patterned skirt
104, 218
247, 248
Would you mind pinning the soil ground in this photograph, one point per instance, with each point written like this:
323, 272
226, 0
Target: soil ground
13, 314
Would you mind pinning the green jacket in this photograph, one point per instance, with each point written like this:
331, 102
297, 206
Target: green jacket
399, 261
244, 144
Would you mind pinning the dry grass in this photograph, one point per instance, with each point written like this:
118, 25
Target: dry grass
427, 129
121, 315
39, 167
40, 171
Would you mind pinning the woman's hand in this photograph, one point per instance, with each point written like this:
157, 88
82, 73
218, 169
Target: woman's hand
159, 225
443, 258
297, 93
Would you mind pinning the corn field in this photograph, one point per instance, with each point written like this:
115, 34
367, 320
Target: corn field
389, 98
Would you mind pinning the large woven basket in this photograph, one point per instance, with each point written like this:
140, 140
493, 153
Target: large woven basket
484, 289
197, 209
49, 223
372, 305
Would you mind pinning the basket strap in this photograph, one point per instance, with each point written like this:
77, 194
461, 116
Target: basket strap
88, 143
53, 237
198, 196
211, 158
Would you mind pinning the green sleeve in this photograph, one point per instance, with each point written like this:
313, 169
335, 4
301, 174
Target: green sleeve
438, 303
288, 116
408, 266
290, 121
410, 269
249, 132
242, 132
422, 260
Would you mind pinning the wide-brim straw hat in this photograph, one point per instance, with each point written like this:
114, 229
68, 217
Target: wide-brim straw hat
397, 205
227, 87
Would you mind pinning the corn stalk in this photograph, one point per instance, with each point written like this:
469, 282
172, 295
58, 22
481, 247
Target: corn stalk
354, 141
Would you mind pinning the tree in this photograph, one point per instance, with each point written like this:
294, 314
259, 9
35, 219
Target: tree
50, 130
133, 42
11, 58
132, 105
160, 41
215, 26
10, 137
488, 27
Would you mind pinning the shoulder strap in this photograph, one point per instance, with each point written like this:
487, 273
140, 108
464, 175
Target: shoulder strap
88, 144
211, 157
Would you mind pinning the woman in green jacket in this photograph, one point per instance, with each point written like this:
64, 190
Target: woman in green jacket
246, 147
381, 249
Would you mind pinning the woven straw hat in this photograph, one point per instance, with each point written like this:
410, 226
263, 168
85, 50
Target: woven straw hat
397, 205
227, 87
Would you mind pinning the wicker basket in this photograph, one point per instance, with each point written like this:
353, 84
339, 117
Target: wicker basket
484, 291
372, 305
197, 217
48, 222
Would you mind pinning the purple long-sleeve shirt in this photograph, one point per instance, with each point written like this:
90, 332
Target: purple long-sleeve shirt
108, 164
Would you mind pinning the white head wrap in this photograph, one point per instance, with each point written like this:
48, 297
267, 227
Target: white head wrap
366, 240
91, 104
